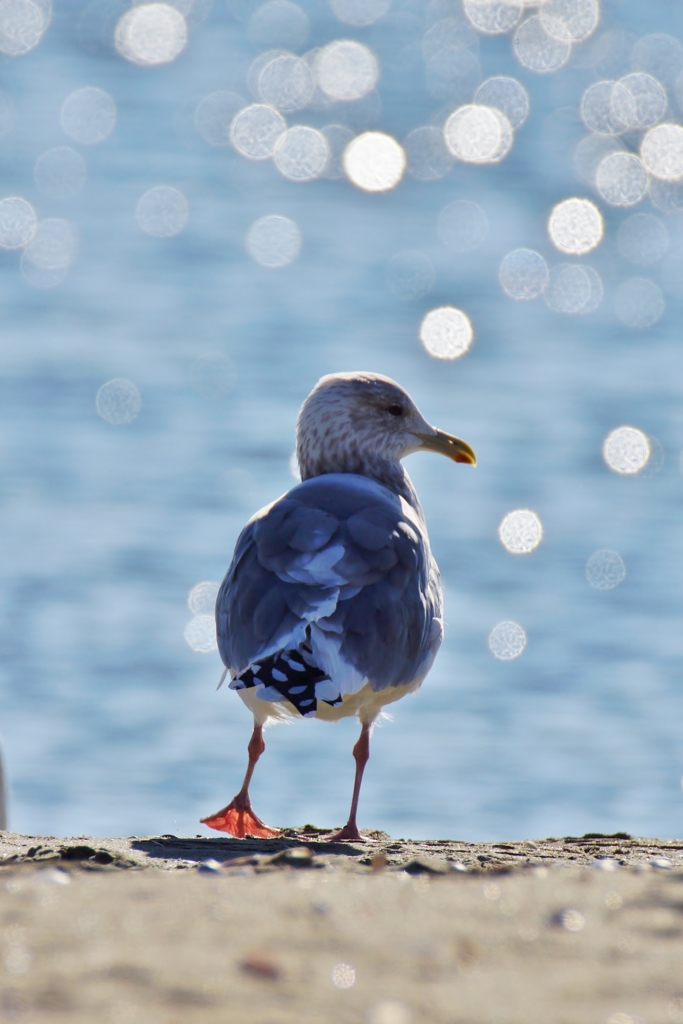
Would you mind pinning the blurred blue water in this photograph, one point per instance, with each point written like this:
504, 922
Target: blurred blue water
110, 723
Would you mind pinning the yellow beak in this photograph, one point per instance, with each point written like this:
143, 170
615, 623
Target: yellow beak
446, 444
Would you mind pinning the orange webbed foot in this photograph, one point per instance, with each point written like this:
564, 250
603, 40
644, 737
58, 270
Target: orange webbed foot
348, 834
239, 821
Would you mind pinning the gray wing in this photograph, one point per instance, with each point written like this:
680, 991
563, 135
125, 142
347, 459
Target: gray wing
347, 560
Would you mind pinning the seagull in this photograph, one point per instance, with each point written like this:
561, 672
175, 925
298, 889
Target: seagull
332, 605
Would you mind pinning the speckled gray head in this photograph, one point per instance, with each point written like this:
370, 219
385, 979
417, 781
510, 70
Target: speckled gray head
352, 421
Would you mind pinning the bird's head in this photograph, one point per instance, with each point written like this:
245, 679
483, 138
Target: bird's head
355, 420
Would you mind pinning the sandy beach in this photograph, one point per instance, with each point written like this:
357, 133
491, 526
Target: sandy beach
300, 931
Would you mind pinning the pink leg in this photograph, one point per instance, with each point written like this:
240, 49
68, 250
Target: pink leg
361, 752
237, 818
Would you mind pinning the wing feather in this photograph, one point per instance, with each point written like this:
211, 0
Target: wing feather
347, 559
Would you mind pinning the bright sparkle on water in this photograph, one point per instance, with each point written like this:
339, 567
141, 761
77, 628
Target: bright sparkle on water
200, 634
360, 12
374, 162
118, 401
507, 640
507, 95
255, 130
343, 975
214, 115
88, 115
575, 226
162, 211
579, 18
643, 239
639, 302
410, 275
626, 450
542, 44
346, 70
301, 153
446, 332
60, 173
286, 82
22, 25
520, 531
605, 569
638, 100
274, 241
573, 289
428, 158
590, 152
523, 274
478, 135
662, 151
201, 599
493, 16
462, 225
18, 222
151, 34
621, 179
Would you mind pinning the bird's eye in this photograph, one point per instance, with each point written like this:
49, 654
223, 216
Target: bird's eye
395, 410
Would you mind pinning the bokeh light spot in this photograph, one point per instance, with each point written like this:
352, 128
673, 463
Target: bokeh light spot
162, 211
88, 115
410, 275
255, 130
54, 245
18, 222
201, 599
346, 70
639, 302
374, 162
605, 569
22, 25
286, 82
200, 634
493, 17
337, 137
638, 100
626, 450
274, 241
446, 332
523, 274
118, 401
575, 226
507, 640
478, 135
151, 34
621, 179
462, 225
573, 289
520, 531
301, 153
506, 95
343, 976
662, 151
597, 112
542, 44
579, 18
60, 173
